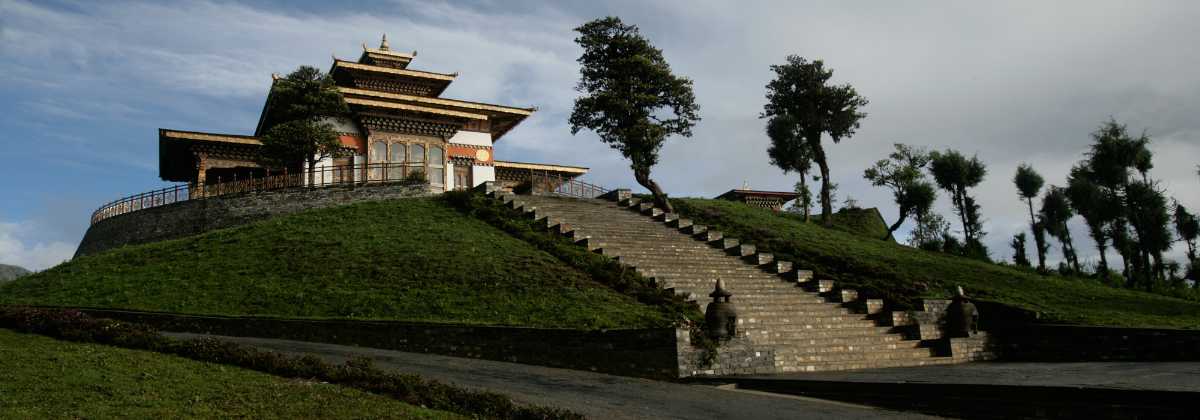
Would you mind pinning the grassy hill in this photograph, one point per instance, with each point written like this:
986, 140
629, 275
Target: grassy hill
109, 382
413, 259
902, 274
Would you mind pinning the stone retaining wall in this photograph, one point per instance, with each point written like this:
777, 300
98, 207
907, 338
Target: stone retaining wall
1072, 343
638, 352
193, 217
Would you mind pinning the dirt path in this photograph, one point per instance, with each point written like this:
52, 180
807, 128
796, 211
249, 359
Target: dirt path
597, 395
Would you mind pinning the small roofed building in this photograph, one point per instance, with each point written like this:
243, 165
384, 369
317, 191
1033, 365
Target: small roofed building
773, 200
398, 124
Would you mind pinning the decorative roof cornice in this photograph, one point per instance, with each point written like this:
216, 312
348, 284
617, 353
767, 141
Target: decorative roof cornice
209, 137
500, 164
389, 70
438, 101
415, 108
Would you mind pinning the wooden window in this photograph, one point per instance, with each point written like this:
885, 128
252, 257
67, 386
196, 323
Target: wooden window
395, 166
437, 167
416, 158
462, 176
377, 158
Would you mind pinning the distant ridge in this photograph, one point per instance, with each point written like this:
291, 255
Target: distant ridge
9, 272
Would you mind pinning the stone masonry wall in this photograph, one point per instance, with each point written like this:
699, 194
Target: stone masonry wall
193, 217
639, 352
1074, 343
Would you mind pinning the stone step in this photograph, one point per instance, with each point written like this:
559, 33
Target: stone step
865, 356
736, 280
858, 365
811, 323
849, 353
771, 321
822, 325
804, 334
863, 339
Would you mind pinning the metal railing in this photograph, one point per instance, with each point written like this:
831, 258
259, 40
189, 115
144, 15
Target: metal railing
564, 186
325, 176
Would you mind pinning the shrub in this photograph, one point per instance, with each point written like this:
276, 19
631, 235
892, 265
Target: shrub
416, 177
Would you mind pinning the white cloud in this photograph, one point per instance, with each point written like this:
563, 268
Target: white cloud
18, 247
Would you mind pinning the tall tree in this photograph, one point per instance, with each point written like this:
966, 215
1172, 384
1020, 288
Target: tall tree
630, 97
1018, 246
1150, 220
1098, 208
1188, 228
791, 156
956, 174
808, 107
804, 201
299, 107
903, 173
1029, 186
1055, 213
1110, 160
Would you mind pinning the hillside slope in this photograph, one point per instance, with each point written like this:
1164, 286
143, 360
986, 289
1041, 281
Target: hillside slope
903, 274
110, 382
412, 259
11, 272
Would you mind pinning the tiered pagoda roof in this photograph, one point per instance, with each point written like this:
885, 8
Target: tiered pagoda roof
381, 84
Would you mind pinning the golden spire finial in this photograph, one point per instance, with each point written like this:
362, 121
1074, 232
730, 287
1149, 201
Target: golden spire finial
383, 45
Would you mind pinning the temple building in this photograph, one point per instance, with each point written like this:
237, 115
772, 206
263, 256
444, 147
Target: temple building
773, 200
398, 124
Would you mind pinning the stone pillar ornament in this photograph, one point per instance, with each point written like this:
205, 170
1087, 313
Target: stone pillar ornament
962, 319
720, 315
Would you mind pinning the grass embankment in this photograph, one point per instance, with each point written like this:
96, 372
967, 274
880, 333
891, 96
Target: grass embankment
47, 378
902, 274
413, 260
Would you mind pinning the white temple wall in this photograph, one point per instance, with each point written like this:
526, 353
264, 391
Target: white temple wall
481, 174
472, 138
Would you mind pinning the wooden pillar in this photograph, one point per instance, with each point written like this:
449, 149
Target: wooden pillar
201, 173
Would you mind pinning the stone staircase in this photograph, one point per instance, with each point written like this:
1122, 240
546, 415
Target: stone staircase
803, 324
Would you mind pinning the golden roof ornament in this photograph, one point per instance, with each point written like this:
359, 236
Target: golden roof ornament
383, 45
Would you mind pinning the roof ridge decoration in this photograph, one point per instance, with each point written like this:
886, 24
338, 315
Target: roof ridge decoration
383, 45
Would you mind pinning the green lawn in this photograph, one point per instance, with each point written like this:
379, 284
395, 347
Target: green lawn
902, 274
413, 259
42, 377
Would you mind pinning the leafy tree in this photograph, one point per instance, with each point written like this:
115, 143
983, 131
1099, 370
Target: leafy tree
930, 232
1056, 211
297, 141
1018, 246
630, 97
803, 106
1029, 185
1098, 208
803, 203
298, 107
956, 174
1111, 158
791, 156
1188, 228
1149, 219
904, 174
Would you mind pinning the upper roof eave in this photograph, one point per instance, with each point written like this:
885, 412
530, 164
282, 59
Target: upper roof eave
442, 77
478, 106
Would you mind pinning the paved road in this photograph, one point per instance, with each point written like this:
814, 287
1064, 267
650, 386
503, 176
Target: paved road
1147, 376
596, 395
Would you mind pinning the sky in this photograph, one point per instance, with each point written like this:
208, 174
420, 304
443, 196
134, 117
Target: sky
86, 85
